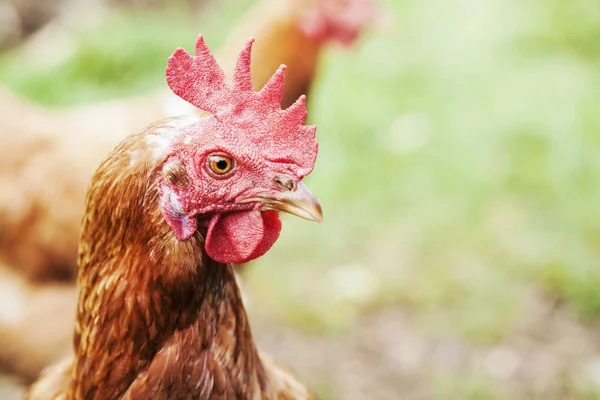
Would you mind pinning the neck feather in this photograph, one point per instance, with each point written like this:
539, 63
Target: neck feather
140, 288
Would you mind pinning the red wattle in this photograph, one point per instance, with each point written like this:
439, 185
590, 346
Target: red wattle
238, 237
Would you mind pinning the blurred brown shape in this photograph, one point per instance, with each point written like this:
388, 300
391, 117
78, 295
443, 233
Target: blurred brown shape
20, 18
36, 323
49, 159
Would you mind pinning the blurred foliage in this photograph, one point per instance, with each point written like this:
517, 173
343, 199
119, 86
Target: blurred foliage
119, 54
458, 165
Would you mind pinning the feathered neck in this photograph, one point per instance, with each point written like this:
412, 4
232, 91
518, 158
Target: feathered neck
150, 306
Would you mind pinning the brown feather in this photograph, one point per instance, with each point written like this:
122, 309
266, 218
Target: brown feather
156, 318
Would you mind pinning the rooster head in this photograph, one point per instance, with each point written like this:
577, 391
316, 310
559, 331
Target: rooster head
337, 20
233, 171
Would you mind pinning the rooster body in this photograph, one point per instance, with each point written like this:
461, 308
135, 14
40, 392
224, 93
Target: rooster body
158, 316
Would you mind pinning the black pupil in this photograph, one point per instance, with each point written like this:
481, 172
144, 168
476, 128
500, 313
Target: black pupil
222, 164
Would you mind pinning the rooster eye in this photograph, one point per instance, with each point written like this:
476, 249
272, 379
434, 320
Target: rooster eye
219, 165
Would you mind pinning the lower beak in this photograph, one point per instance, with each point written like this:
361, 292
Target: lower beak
300, 202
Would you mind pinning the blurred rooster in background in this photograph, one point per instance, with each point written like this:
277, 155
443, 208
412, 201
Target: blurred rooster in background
52, 155
159, 312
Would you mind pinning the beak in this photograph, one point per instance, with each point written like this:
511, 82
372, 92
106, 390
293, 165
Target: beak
300, 202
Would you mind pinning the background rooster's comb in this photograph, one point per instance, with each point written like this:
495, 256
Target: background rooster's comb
257, 115
339, 20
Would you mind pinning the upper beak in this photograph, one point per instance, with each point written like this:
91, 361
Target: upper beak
300, 202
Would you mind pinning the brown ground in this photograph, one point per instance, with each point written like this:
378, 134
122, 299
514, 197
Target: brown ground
386, 356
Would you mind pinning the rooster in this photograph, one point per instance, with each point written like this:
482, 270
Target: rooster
295, 33
52, 155
43, 194
159, 311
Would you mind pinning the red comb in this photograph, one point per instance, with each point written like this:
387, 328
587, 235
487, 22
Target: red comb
257, 115
340, 20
